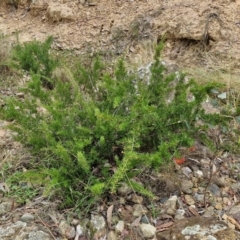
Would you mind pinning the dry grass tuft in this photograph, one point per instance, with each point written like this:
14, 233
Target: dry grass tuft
5, 50
201, 75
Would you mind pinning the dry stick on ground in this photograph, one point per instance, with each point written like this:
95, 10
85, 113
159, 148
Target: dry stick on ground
208, 183
217, 142
46, 225
212, 173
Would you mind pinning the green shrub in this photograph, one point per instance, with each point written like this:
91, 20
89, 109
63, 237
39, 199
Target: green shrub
35, 57
116, 121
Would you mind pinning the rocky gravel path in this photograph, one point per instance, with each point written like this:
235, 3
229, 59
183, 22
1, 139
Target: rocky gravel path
199, 199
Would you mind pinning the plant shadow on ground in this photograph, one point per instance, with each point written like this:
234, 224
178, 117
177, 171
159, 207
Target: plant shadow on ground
89, 128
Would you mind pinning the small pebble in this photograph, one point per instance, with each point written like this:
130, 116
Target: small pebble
148, 230
27, 217
218, 206
145, 219
179, 214
139, 210
220, 182
209, 212
199, 174
214, 189
137, 199
119, 227
189, 200
198, 197
226, 201
111, 236
186, 186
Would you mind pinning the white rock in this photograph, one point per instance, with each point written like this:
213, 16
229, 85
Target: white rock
148, 230
79, 232
179, 214
119, 227
199, 174
98, 222
170, 205
191, 230
38, 235
66, 230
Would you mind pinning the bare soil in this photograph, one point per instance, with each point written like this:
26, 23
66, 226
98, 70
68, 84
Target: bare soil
198, 34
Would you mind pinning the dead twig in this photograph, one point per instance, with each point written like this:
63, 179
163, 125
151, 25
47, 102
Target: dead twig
208, 183
194, 160
46, 225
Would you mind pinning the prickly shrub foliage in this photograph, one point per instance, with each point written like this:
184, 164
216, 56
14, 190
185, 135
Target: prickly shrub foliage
35, 57
90, 132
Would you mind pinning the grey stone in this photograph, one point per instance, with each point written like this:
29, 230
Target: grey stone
186, 186
145, 219
27, 217
148, 230
234, 210
198, 197
163, 200
12, 231
66, 230
169, 206
214, 189
139, 210
179, 214
220, 182
235, 186
5, 207
209, 212
39, 235
186, 171
198, 228
191, 230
